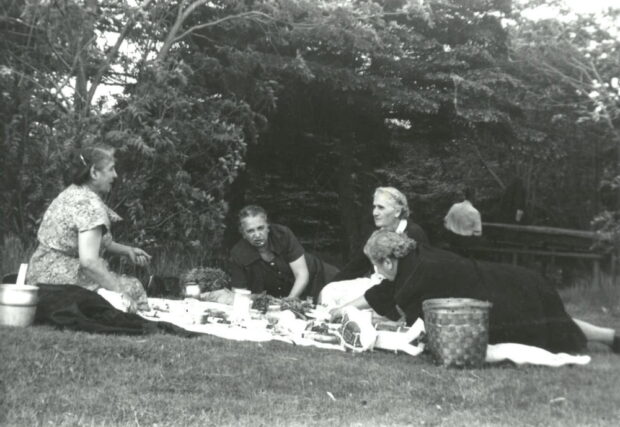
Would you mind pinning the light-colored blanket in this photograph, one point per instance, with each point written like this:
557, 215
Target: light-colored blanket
189, 314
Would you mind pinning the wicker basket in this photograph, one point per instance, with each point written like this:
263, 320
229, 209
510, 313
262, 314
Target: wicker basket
457, 330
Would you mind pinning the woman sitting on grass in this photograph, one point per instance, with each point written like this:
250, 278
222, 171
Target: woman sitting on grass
76, 231
526, 308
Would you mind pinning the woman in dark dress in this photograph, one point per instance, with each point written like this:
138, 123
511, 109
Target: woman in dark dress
270, 259
526, 308
390, 211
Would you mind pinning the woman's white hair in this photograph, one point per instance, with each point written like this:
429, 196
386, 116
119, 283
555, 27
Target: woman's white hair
385, 244
400, 200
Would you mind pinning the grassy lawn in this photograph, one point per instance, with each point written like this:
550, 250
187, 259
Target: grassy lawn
50, 377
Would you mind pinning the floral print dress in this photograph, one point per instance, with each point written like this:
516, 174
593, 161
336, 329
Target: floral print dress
56, 259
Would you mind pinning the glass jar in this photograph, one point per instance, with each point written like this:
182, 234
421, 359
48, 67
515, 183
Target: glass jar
192, 290
242, 302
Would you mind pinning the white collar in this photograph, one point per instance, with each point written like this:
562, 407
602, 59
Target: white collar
402, 226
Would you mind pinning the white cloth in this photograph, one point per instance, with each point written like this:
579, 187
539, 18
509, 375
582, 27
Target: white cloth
188, 314
463, 219
402, 226
522, 354
336, 294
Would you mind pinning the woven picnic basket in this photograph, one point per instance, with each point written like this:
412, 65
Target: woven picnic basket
457, 330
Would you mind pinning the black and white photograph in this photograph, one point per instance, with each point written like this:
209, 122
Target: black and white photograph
309, 213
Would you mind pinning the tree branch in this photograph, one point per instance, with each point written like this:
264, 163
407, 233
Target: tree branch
113, 52
243, 15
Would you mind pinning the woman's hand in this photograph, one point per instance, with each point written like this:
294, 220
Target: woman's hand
336, 313
132, 306
138, 256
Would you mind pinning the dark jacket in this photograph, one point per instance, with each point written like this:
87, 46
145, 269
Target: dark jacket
526, 307
360, 266
250, 271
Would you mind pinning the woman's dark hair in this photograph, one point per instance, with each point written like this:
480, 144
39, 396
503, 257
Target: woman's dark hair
92, 155
251, 210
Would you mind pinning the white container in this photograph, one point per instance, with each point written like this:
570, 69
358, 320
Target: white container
367, 315
242, 302
192, 291
18, 304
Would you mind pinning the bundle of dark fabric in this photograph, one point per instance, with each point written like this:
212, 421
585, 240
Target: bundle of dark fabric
78, 309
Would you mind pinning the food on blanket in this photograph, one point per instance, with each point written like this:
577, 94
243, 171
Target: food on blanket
297, 306
211, 315
322, 338
321, 332
321, 328
207, 278
133, 289
222, 296
159, 305
262, 302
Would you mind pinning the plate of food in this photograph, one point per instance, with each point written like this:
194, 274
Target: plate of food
326, 338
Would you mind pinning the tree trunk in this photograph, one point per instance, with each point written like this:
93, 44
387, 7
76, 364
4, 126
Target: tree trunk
80, 98
349, 215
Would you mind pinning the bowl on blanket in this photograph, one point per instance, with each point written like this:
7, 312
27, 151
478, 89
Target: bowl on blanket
18, 304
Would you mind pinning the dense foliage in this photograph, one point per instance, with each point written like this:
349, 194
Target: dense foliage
305, 107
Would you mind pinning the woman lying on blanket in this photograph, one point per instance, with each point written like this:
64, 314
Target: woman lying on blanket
76, 231
270, 259
526, 308
390, 211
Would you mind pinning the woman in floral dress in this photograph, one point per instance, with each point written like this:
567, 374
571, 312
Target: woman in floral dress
76, 231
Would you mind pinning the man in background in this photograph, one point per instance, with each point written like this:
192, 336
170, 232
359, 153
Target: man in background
464, 223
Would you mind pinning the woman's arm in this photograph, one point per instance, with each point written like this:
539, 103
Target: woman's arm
136, 255
302, 276
360, 303
89, 244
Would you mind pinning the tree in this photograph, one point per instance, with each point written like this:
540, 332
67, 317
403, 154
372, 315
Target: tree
59, 55
572, 64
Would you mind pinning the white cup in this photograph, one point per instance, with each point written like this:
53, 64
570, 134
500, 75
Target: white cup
192, 291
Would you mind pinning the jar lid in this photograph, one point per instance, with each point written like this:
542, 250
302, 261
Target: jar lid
242, 291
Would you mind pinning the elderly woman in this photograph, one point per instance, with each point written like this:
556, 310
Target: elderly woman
390, 211
526, 308
270, 259
76, 231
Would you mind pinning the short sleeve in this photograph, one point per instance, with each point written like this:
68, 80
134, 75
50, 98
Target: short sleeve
291, 248
91, 213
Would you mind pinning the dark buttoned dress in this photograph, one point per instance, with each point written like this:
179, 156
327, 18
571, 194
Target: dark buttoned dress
250, 271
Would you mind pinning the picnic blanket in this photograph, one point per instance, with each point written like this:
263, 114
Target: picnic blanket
187, 313
78, 309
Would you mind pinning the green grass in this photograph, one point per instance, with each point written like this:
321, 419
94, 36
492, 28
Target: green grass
50, 377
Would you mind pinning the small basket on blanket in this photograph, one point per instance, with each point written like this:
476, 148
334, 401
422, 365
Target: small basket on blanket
457, 330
